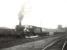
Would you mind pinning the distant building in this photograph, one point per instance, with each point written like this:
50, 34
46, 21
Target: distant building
60, 27
65, 29
52, 31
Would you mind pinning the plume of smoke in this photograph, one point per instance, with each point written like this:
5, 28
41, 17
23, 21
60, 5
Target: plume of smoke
25, 10
21, 15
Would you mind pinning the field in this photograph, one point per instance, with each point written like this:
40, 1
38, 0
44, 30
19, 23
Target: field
8, 38
13, 41
32, 44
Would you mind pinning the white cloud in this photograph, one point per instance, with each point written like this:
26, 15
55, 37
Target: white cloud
48, 13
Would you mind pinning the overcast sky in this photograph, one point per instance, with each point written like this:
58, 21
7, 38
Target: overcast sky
44, 13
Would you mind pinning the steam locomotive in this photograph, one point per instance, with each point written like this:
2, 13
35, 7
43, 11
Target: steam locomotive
22, 31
